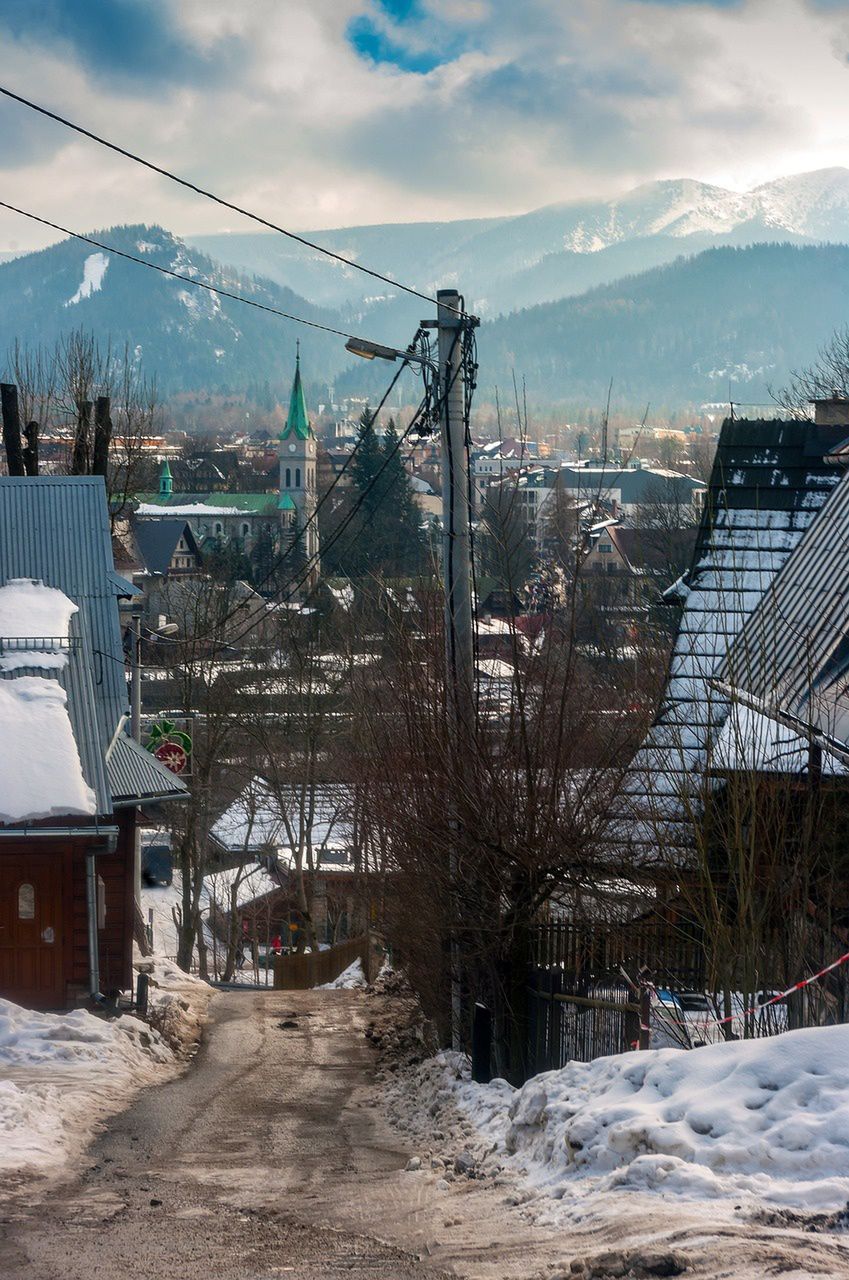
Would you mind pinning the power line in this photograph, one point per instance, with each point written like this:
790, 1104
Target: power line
178, 275
298, 580
290, 550
210, 195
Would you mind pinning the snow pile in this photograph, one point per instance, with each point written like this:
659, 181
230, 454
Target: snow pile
751, 1123
94, 269
62, 1073
40, 770
351, 979
762, 1119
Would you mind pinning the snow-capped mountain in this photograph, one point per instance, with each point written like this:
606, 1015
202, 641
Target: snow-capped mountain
558, 250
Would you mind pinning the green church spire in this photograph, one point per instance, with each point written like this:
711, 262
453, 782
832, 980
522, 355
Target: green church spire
297, 421
166, 481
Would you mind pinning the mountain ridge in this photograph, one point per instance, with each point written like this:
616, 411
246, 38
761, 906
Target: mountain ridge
491, 258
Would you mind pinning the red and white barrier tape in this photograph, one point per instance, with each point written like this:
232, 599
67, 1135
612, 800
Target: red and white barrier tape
745, 1013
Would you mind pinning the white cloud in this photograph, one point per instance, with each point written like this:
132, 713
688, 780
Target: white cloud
548, 101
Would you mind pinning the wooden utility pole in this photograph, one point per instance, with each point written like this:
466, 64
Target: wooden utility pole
457, 579
456, 513
102, 437
12, 429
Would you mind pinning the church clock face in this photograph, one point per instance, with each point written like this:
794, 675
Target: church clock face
293, 448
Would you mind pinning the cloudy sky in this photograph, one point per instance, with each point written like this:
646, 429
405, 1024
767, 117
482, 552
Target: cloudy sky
324, 113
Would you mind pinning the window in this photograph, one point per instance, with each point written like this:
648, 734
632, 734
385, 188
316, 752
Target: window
297, 477
219, 528
605, 546
26, 902
246, 528
288, 477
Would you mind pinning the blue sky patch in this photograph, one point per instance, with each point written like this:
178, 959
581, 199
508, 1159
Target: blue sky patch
373, 43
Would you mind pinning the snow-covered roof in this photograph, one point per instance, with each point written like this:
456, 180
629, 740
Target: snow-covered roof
41, 774
151, 510
752, 741
792, 653
769, 482
260, 820
250, 882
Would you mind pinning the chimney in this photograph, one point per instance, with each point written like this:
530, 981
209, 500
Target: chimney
833, 411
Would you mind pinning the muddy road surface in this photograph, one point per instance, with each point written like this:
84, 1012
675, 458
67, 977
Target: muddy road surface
268, 1158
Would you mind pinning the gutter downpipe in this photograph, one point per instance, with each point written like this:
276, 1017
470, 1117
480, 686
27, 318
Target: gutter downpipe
91, 911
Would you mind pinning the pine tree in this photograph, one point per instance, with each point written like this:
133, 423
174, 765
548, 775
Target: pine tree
404, 543
385, 536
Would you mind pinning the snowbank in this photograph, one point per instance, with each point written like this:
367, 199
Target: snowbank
760, 1121
766, 1117
62, 1074
350, 979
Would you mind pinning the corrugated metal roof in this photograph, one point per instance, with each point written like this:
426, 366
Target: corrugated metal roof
790, 651
56, 529
134, 774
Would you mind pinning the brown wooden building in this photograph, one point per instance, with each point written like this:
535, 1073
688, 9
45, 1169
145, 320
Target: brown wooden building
71, 779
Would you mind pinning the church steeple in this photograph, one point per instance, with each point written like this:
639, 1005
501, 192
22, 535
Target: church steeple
297, 502
166, 480
297, 422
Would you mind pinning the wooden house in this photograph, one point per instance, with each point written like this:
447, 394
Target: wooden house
71, 779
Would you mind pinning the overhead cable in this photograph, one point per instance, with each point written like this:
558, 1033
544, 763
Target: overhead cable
226, 204
179, 275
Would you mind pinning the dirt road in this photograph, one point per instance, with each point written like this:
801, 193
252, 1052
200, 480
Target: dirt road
267, 1159
271, 1158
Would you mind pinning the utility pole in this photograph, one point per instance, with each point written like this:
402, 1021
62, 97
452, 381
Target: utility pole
456, 532
457, 575
135, 677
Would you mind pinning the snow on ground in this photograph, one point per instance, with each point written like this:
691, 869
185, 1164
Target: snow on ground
753, 1125
94, 269
349, 979
62, 1074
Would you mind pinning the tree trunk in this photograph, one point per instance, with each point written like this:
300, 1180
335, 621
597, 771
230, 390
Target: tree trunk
12, 429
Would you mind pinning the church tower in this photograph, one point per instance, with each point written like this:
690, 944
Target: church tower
297, 502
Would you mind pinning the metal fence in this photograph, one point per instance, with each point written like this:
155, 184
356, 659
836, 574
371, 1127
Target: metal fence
583, 984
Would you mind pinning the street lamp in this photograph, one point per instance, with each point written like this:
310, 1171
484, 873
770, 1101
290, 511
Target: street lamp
367, 350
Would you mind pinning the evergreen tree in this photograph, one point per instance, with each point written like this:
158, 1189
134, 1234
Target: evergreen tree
385, 536
402, 517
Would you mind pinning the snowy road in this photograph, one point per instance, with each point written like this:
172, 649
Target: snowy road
271, 1158
268, 1158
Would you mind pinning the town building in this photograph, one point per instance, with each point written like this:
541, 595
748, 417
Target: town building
219, 518
72, 780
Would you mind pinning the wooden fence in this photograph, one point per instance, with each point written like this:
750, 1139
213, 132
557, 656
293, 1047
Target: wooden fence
313, 968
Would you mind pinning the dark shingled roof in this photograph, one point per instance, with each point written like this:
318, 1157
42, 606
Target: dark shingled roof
157, 540
769, 482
